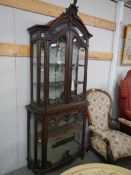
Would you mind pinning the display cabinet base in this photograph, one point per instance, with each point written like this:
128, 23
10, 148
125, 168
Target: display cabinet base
49, 167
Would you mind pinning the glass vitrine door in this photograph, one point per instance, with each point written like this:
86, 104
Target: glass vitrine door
57, 53
78, 69
34, 73
42, 70
38, 73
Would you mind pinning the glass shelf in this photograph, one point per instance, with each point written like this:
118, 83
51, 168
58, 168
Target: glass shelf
51, 64
78, 82
53, 84
81, 65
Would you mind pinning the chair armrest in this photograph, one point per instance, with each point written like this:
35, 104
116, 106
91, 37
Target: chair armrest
114, 123
99, 133
125, 122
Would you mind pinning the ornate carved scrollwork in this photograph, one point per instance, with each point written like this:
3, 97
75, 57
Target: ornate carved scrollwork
71, 10
65, 119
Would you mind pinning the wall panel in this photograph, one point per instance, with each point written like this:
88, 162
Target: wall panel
6, 24
98, 74
8, 118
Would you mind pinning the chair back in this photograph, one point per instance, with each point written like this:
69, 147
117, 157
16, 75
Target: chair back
99, 108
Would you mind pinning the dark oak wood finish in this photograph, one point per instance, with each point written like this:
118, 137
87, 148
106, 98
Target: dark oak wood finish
63, 116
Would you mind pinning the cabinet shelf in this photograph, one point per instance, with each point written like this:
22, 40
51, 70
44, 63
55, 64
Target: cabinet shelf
56, 64
51, 64
56, 84
78, 82
59, 83
81, 65
53, 84
61, 132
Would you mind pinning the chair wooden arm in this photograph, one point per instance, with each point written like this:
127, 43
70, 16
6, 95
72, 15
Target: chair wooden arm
128, 114
98, 132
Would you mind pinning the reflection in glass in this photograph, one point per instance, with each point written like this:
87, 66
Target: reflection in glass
65, 137
39, 144
74, 64
81, 64
81, 71
42, 75
34, 71
80, 34
32, 136
77, 81
57, 70
34, 35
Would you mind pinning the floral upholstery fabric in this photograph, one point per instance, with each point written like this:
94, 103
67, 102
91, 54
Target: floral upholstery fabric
99, 104
99, 145
120, 143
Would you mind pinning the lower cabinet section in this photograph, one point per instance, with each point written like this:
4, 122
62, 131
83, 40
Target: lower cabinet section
53, 140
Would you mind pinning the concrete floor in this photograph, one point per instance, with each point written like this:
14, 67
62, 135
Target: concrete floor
90, 157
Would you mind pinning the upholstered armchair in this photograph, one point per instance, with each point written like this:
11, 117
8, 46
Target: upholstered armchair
125, 104
109, 143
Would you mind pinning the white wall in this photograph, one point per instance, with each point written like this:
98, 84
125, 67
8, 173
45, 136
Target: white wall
14, 73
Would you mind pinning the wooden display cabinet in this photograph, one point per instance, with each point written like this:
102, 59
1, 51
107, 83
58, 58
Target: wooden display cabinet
56, 115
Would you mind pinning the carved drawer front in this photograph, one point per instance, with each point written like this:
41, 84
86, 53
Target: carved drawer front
65, 119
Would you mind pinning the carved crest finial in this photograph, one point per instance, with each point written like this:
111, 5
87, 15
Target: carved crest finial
72, 9
75, 2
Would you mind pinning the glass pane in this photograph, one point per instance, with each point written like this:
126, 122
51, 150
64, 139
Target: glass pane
77, 81
57, 29
57, 70
80, 34
64, 136
82, 54
34, 35
42, 76
32, 136
80, 76
34, 71
74, 65
39, 144
81, 64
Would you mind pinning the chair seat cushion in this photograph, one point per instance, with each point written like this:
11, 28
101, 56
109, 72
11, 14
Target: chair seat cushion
120, 143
